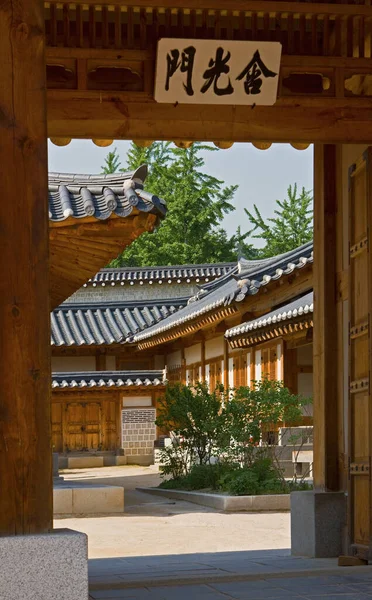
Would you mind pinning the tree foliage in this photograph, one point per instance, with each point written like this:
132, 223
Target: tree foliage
223, 425
197, 203
291, 227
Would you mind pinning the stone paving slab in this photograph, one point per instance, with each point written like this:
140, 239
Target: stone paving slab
355, 586
256, 572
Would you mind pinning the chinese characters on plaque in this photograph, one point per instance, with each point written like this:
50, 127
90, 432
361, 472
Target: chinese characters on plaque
217, 72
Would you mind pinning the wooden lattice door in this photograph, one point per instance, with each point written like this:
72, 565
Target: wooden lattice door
360, 404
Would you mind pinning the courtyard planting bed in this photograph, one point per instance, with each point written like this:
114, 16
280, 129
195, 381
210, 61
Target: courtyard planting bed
264, 502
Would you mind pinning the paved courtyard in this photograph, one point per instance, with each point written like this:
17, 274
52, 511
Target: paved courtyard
158, 526
354, 584
171, 550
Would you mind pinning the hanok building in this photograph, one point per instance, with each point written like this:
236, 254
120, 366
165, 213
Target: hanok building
101, 383
177, 319
92, 218
86, 69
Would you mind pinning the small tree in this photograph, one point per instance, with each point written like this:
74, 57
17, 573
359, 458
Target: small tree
291, 227
225, 425
254, 410
195, 417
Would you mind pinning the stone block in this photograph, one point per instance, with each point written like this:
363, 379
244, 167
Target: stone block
52, 566
317, 523
84, 462
62, 501
120, 460
141, 459
100, 499
80, 499
277, 502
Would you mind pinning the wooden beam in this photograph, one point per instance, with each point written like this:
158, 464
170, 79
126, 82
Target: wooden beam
225, 364
326, 475
25, 424
271, 6
82, 114
202, 359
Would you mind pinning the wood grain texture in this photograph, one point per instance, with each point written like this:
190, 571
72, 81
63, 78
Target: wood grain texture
326, 473
79, 114
25, 421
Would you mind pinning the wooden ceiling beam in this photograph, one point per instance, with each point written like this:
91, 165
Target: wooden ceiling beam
92, 114
270, 6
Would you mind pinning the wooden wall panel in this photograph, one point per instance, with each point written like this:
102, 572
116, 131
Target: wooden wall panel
360, 344
57, 437
109, 422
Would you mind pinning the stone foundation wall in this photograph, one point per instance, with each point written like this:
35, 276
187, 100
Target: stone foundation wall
138, 432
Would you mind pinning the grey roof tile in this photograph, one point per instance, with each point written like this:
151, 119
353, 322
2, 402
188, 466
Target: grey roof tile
303, 305
105, 324
247, 280
79, 196
175, 274
104, 379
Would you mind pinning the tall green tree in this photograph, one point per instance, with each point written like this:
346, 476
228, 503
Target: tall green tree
291, 226
112, 162
197, 202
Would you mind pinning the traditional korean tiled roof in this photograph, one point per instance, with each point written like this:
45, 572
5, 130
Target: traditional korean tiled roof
297, 308
100, 196
168, 274
248, 279
110, 323
107, 379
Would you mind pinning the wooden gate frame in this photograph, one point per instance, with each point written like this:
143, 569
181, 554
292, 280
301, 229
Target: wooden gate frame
331, 41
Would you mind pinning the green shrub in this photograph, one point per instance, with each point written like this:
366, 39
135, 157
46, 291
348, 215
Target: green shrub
201, 477
242, 483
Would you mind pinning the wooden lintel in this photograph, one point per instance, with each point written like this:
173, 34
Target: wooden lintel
79, 114
271, 6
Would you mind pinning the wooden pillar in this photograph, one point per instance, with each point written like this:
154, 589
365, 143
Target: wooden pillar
326, 475
225, 364
25, 427
202, 360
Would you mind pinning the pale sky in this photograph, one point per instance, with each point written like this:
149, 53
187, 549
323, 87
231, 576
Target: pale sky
263, 176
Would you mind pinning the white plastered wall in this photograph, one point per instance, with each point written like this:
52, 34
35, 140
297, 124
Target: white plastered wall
258, 366
193, 354
214, 347
136, 401
174, 359
67, 364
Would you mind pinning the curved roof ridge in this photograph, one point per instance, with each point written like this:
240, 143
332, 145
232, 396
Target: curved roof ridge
120, 304
94, 379
232, 288
205, 273
247, 266
79, 196
167, 267
295, 308
139, 173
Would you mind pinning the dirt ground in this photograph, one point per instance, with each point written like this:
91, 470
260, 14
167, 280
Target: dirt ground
155, 526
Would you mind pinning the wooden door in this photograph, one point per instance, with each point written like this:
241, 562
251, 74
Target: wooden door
75, 423
110, 409
360, 404
83, 425
57, 440
93, 426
